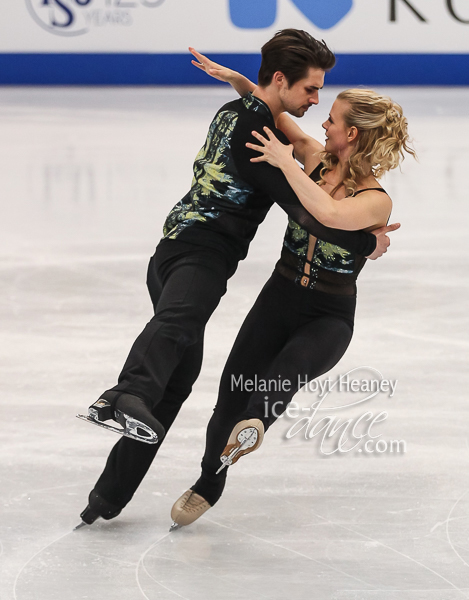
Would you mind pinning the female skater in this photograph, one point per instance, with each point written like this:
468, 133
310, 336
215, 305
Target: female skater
302, 322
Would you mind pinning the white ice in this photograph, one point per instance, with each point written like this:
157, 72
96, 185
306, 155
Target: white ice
87, 177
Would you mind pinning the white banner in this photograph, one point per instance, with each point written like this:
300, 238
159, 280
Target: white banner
169, 26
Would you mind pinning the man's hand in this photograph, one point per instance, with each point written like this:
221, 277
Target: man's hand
382, 240
211, 68
237, 81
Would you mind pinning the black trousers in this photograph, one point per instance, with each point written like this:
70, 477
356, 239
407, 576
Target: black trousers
186, 283
291, 334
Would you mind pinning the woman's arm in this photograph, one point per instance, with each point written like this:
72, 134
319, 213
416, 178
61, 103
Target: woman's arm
370, 209
305, 147
240, 83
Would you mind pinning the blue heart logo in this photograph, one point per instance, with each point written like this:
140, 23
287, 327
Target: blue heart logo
324, 13
259, 14
253, 14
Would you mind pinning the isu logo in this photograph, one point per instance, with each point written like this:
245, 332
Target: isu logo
257, 14
77, 17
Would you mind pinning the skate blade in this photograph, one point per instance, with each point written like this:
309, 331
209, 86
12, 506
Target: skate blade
80, 525
228, 460
130, 430
174, 526
220, 469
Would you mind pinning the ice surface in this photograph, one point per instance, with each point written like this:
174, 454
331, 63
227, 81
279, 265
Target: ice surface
87, 177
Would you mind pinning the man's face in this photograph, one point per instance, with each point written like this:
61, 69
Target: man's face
297, 98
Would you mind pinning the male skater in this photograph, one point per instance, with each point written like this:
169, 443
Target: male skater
206, 234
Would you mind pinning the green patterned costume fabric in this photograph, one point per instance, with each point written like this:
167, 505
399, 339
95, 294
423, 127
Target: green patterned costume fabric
230, 196
215, 178
327, 256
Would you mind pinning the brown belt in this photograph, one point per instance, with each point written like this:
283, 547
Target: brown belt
311, 282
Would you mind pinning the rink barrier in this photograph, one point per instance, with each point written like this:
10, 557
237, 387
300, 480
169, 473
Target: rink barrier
176, 69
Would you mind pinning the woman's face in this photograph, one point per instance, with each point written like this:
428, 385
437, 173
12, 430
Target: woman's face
337, 132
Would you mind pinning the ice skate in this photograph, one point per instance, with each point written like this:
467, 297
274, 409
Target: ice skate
131, 413
187, 509
97, 507
246, 437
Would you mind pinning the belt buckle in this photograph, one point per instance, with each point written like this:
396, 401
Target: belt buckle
304, 281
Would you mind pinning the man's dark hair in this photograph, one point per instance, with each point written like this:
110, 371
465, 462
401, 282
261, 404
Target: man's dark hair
293, 52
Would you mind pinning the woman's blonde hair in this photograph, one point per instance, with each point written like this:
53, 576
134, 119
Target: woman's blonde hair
382, 137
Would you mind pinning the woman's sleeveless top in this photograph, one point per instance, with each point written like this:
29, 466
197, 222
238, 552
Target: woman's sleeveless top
320, 265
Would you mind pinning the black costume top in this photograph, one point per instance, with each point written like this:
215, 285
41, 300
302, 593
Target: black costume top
230, 196
329, 268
